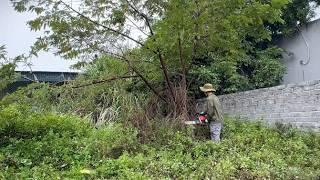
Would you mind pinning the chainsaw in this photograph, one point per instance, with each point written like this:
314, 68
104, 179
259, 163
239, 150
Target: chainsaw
201, 119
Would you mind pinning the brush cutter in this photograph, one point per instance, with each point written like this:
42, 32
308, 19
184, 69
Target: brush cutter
201, 119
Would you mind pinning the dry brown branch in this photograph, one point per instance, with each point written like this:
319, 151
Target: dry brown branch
103, 81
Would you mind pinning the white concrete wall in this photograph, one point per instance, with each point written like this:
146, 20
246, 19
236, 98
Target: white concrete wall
296, 45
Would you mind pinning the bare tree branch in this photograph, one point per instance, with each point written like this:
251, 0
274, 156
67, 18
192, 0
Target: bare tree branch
147, 83
137, 26
144, 16
103, 81
184, 80
145, 80
99, 24
158, 52
166, 74
182, 62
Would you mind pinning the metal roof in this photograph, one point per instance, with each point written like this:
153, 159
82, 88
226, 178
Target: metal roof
28, 77
50, 77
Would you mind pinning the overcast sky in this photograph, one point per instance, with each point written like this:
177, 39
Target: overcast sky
18, 38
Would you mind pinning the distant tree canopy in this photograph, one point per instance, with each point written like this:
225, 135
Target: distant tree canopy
7, 69
296, 13
183, 43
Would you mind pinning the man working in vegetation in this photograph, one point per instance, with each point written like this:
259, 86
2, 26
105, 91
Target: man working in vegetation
213, 111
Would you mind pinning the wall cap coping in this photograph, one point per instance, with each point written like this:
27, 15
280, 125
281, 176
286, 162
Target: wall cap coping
280, 87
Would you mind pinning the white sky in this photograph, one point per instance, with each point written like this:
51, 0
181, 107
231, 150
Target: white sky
317, 11
15, 34
17, 37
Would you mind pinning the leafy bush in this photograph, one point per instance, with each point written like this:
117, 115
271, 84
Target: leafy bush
39, 145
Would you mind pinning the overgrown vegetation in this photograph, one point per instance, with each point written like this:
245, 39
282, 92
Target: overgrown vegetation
103, 102
47, 145
102, 131
122, 118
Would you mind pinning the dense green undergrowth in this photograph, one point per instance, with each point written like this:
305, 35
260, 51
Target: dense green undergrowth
52, 146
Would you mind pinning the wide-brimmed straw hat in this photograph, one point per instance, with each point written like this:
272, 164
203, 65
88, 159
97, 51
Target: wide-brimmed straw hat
207, 88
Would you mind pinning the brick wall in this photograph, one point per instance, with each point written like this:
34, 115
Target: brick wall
297, 104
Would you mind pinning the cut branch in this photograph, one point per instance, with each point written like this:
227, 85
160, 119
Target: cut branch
103, 81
